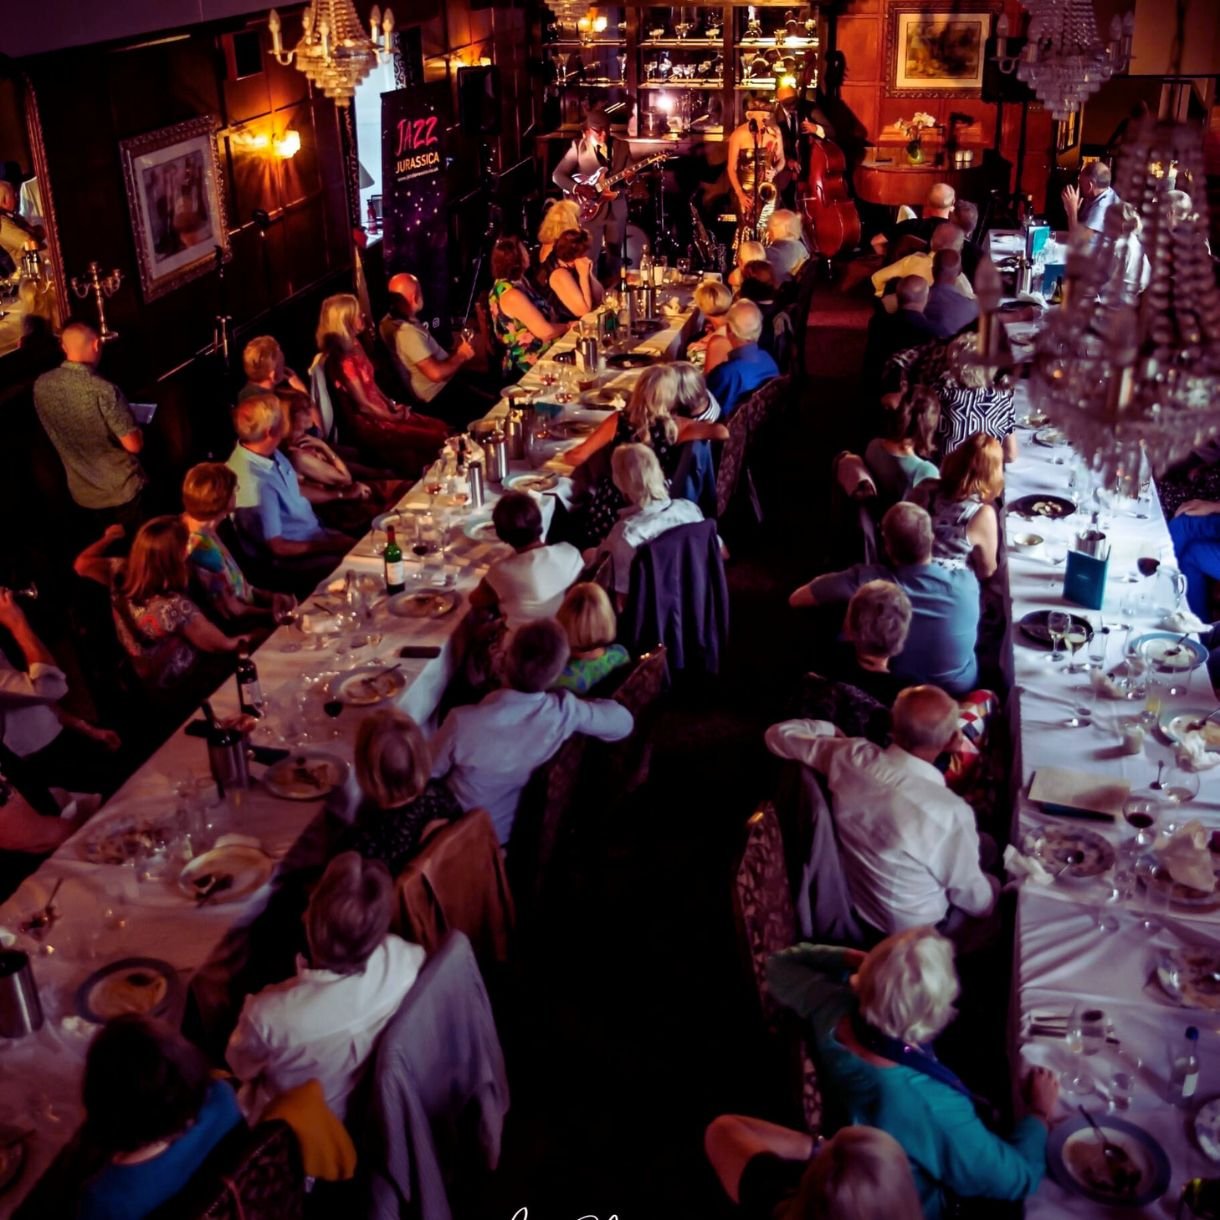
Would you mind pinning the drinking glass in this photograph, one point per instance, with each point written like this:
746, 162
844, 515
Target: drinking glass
1122, 1089
1095, 1026
1156, 904
1181, 785
1057, 624
1141, 813
1076, 638
1078, 1079
1136, 680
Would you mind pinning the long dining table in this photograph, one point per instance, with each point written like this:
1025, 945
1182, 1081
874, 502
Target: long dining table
1090, 938
109, 913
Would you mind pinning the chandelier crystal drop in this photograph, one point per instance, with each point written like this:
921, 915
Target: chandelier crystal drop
335, 52
1064, 61
1133, 377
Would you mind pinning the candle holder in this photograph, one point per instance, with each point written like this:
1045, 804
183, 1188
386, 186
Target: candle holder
101, 286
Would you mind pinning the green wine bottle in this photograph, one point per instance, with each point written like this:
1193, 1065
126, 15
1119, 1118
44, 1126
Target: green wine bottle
395, 570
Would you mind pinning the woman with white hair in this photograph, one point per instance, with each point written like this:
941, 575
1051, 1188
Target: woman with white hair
747, 252
650, 512
786, 249
873, 1019
713, 300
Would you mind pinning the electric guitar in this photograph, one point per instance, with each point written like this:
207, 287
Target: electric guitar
589, 192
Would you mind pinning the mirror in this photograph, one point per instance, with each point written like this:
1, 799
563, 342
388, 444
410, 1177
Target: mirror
31, 277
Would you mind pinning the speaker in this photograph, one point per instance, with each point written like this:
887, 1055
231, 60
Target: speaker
479, 100
998, 87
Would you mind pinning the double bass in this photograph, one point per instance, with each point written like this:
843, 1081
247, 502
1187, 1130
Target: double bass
824, 195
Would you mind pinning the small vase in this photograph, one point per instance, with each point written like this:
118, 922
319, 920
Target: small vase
914, 152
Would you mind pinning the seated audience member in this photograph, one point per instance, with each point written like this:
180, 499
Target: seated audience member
531, 582
860, 1173
487, 752
747, 366
399, 798
324, 477
692, 400
1087, 203
1195, 530
322, 1024
936, 210
427, 371
649, 513
906, 327
209, 495
873, 1019
262, 360
966, 216
587, 617
910, 847
898, 458
944, 601
377, 425
758, 284
946, 237
56, 748
875, 630
153, 1114
713, 299
572, 288
969, 405
747, 252
160, 628
519, 315
560, 216
786, 249
1132, 270
961, 503
947, 310
271, 509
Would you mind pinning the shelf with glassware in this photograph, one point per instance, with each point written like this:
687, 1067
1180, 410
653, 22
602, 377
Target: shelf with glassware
775, 47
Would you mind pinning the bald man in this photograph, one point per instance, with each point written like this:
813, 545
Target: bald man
936, 210
423, 365
94, 432
1086, 205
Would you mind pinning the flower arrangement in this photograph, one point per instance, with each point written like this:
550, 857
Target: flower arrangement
913, 128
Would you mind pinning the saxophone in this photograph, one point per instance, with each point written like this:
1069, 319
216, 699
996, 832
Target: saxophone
710, 251
767, 195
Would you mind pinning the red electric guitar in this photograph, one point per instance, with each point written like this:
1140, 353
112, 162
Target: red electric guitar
590, 192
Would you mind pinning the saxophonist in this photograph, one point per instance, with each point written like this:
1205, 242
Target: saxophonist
755, 156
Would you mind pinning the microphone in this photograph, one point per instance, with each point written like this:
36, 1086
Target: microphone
754, 127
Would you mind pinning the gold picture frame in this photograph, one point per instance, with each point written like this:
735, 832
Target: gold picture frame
936, 50
176, 193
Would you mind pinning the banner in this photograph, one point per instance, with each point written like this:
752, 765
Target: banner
413, 206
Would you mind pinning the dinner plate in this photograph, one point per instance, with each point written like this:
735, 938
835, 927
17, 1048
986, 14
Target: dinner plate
1173, 724
12, 1155
121, 833
1075, 1159
399, 518
532, 480
1033, 627
145, 985
1049, 437
1047, 507
572, 429
367, 685
234, 868
480, 529
1207, 1128
631, 360
1053, 845
1152, 875
1170, 653
305, 775
1191, 975
422, 604
603, 400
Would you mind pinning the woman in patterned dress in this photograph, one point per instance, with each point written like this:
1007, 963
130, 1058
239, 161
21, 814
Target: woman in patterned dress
518, 315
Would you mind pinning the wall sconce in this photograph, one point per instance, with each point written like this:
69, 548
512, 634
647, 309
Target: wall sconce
288, 145
249, 141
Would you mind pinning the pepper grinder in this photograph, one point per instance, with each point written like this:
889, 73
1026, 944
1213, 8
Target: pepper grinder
474, 475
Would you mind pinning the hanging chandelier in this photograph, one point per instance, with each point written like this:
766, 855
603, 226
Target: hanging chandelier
334, 52
1130, 376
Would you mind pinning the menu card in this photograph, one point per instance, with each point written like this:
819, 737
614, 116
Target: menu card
1079, 794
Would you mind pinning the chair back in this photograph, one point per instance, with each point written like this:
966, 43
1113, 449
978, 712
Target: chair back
600, 572
617, 768
320, 393
731, 459
456, 882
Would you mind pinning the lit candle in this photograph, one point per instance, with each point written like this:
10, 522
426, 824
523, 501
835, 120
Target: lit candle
324, 35
387, 27
273, 23
374, 23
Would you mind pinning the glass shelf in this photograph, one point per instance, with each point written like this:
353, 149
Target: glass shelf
676, 44
682, 84
575, 42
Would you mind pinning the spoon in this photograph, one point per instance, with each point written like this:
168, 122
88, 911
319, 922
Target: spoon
1195, 725
1070, 860
1115, 1156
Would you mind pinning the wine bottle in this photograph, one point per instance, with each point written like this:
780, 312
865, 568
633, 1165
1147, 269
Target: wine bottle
395, 570
249, 692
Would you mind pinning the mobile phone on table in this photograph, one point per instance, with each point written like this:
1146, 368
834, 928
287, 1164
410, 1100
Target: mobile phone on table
421, 652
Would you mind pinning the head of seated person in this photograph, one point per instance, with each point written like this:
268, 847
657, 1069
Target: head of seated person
510, 259
975, 469
940, 200
906, 534
209, 493
262, 360
860, 1173
517, 520
758, 282
907, 986
947, 237
298, 418
751, 252
156, 564
537, 653
912, 420
946, 266
745, 324
877, 622
784, 225
713, 298
398, 306
560, 216
570, 245
638, 475
966, 216
652, 402
259, 423
339, 323
349, 913
691, 399
925, 724
912, 293
588, 620
392, 759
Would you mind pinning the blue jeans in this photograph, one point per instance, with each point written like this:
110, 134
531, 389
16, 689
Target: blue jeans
1196, 541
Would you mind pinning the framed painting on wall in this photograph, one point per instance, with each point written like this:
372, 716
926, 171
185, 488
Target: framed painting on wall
175, 190
935, 50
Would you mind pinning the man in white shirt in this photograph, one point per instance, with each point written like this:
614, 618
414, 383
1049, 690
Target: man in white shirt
1086, 205
531, 583
487, 752
910, 846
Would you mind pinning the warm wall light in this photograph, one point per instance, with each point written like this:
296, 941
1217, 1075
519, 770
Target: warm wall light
485, 61
599, 25
288, 145
250, 141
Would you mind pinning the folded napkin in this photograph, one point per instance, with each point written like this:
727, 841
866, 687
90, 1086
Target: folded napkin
1105, 686
1025, 868
1193, 754
1183, 621
1185, 857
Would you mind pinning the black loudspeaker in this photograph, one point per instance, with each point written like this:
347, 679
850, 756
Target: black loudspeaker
479, 100
1001, 87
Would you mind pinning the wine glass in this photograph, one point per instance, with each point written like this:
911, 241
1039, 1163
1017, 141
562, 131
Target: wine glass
1078, 1079
1057, 624
1076, 638
1141, 813
1180, 785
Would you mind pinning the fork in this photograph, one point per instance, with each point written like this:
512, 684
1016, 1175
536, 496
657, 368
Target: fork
1195, 725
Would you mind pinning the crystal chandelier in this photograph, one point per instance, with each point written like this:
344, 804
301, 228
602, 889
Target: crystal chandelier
1129, 376
334, 52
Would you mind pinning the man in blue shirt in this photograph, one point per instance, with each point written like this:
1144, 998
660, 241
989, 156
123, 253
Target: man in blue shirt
1088, 204
747, 366
944, 602
948, 312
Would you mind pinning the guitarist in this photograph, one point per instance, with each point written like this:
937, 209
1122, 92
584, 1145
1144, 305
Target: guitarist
592, 150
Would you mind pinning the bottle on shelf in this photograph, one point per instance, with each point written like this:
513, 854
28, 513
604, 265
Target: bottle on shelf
249, 692
395, 569
1184, 1068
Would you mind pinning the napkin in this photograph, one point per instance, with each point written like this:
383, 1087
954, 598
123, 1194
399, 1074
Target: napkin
1185, 856
1193, 754
1183, 621
1025, 868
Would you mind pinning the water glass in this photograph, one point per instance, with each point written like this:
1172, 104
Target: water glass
1095, 1027
1181, 785
1057, 625
1078, 1078
1155, 904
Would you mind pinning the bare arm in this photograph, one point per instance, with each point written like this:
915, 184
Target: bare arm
92, 563
521, 309
735, 141
718, 348
983, 532
443, 370
596, 440
694, 430
802, 598
572, 288
13, 617
733, 1140
207, 637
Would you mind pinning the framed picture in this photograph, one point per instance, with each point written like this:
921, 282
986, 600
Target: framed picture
175, 189
935, 50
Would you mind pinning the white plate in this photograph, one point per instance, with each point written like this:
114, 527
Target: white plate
248, 866
1207, 1129
368, 685
305, 775
480, 529
120, 831
537, 481
422, 604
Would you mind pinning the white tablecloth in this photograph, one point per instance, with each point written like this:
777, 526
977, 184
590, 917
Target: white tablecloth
1062, 956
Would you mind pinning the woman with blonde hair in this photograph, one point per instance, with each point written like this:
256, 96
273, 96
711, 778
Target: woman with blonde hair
872, 1019
560, 216
589, 621
162, 630
713, 300
393, 768
961, 503
390, 430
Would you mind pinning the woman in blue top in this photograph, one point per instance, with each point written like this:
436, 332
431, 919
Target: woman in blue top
873, 1019
153, 1115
